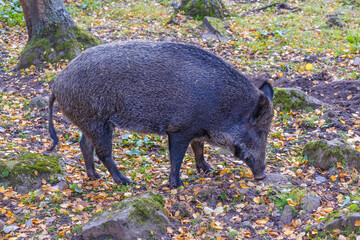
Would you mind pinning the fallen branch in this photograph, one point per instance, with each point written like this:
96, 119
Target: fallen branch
279, 6
259, 9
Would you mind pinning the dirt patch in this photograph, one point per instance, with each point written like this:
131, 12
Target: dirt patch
342, 96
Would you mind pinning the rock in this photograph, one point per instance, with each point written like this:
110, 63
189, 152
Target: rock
38, 102
26, 172
61, 186
356, 61
342, 221
2, 225
129, 219
246, 224
208, 211
325, 154
311, 58
272, 178
310, 202
218, 210
333, 224
2, 130
214, 28
286, 216
10, 228
244, 191
287, 99
50, 220
320, 179
334, 22
352, 219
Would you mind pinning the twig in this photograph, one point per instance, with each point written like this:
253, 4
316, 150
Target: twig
259, 9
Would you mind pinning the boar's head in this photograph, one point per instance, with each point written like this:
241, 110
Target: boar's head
250, 139
247, 139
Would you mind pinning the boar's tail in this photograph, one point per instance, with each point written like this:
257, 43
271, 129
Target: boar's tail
51, 124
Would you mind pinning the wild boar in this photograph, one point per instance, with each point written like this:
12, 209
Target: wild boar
179, 90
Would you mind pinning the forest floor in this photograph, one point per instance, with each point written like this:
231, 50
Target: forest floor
290, 49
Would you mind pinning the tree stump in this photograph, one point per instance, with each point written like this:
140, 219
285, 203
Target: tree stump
201, 8
53, 35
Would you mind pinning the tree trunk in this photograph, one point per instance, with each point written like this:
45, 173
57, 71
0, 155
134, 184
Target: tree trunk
53, 35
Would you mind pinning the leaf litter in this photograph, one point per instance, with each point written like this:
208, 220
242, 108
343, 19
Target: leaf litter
225, 204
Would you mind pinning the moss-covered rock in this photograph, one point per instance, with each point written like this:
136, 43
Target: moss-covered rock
344, 220
287, 99
27, 170
201, 8
214, 28
55, 44
325, 154
132, 218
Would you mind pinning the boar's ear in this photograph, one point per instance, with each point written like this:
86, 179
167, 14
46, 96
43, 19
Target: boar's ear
261, 110
267, 89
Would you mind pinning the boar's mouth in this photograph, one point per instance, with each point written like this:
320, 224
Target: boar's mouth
249, 160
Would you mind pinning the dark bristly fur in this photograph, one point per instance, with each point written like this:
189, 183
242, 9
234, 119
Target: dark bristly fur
165, 88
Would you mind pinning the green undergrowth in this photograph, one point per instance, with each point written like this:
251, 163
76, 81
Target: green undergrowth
11, 12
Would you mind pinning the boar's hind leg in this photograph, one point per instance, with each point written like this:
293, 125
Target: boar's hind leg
198, 149
177, 148
101, 138
88, 154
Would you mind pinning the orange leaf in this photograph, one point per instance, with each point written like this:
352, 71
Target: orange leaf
256, 200
262, 221
357, 223
333, 178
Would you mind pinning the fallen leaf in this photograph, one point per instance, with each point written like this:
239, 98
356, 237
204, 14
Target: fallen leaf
309, 66
169, 230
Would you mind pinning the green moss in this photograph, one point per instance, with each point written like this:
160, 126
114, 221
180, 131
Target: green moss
27, 164
218, 25
312, 147
288, 101
335, 153
4, 170
34, 48
144, 208
56, 43
202, 8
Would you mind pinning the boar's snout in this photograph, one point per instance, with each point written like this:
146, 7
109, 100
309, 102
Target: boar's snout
260, 176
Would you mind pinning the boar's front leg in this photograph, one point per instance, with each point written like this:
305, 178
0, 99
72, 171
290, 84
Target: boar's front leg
101, 139
198, 149
177, 148
88, 154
